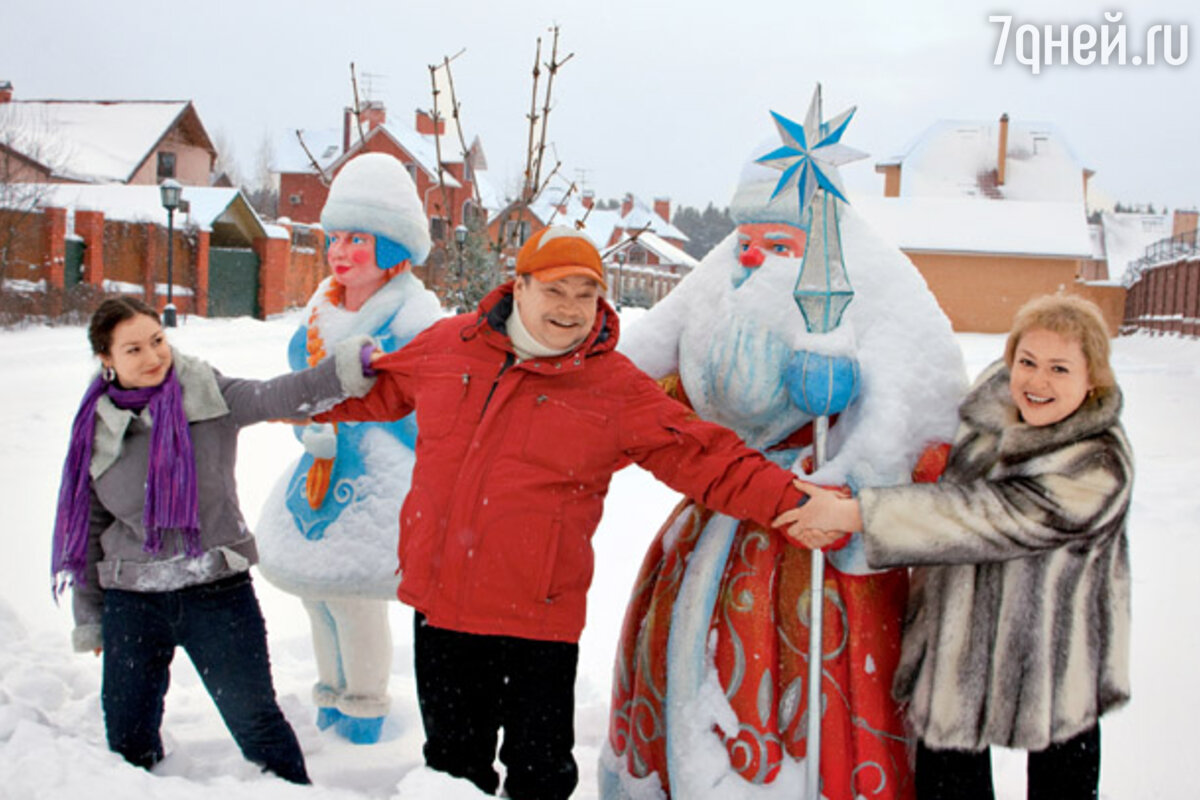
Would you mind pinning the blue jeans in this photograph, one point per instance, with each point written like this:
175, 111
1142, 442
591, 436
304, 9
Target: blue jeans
221, 628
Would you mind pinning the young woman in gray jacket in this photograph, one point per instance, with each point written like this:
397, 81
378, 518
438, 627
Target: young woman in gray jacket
1018, 624
150, 536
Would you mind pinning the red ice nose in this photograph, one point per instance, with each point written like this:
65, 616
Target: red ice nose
752, 257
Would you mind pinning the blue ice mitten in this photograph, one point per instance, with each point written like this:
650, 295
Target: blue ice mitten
821, 385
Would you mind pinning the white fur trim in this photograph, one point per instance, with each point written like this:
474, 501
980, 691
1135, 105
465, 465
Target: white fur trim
374, 193
348, 354
752, 201
320, 440
324, 696
361, 705
404, 299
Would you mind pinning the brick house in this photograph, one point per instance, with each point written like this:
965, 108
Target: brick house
303, 184
641, 249
136, 142
992, 214
80, 205
224, 260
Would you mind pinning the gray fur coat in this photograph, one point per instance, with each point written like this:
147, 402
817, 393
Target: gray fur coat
1017, 630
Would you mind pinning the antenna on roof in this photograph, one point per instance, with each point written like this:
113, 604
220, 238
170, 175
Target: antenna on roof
369, 81
581, 174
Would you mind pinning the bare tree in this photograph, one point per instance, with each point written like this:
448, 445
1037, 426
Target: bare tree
477, 260
225, 163
263, 189
532, 181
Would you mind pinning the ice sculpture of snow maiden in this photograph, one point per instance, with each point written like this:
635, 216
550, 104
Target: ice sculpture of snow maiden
709, 687
328, 530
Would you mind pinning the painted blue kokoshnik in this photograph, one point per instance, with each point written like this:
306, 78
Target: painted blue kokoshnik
348, 467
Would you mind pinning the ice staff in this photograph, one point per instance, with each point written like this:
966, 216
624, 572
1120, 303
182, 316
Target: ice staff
822, 292
809, 156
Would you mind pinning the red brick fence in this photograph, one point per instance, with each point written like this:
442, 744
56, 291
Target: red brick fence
1163, 294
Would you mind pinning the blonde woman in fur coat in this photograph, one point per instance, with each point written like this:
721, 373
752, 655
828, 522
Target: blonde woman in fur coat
1018, 625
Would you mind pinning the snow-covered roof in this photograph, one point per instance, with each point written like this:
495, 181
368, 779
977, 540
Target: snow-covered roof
962, 225
600, 223
288, 155
489, 193
667, 253
423, 150
957, 158
641, 215
1126, 237
206, 204
326, 146
88, 140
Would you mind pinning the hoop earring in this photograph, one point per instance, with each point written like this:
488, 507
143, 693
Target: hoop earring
109, 374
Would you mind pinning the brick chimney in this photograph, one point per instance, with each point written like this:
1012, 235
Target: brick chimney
1184, 222
588, 198
1002, 155
6, 91
626, 205
425, 123
372, 114
662, 207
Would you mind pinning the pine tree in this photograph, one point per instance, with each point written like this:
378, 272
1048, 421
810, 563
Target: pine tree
704, 230
480, 269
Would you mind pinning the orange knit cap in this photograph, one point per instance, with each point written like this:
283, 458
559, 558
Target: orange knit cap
558, 251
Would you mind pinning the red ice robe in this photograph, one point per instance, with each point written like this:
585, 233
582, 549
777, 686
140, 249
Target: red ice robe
761, 621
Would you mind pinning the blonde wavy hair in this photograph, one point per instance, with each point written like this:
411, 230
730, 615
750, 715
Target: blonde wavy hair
1073, 318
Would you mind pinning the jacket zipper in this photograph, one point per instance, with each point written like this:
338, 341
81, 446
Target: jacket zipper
509, 360
475, 477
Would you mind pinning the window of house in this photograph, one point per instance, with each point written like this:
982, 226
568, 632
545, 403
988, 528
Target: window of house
516, 232
412, 172
166, 165
472, 214
437, 228
295, 199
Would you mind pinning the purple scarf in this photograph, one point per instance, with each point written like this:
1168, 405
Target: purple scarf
171, 502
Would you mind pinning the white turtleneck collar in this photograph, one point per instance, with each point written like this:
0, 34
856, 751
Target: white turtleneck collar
523, 342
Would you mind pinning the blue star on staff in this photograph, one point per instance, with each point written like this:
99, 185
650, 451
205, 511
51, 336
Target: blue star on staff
809, 167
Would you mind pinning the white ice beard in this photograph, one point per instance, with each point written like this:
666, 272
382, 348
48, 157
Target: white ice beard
743, 354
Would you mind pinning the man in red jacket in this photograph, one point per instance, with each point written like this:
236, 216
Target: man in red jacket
524, 411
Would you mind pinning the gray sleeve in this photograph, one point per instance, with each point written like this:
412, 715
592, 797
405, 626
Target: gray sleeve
303, 394
87, 599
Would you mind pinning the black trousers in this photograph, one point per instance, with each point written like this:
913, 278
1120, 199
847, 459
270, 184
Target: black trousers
1067, 770
221, 628
471, 686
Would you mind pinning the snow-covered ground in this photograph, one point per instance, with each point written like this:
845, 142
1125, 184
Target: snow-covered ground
52, 736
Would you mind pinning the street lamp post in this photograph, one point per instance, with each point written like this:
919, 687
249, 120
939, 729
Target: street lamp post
170, 189
620, 280
460, 239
